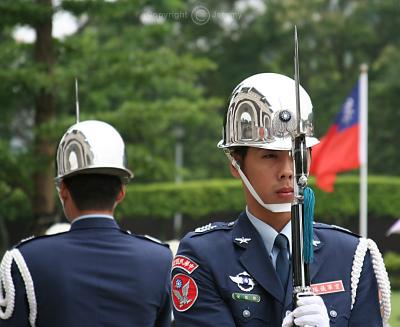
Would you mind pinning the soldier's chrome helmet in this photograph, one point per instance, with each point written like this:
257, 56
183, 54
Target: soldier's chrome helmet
92, 147
262, 113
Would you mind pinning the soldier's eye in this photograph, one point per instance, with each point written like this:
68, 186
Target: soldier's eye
269, 156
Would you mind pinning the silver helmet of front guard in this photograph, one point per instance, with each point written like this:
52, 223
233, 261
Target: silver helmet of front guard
92, 147
262, 114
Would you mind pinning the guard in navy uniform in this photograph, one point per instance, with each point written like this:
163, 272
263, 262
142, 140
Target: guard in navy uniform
95, 274
239, 273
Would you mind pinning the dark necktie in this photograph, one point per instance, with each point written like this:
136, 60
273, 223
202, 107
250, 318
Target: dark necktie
282, 261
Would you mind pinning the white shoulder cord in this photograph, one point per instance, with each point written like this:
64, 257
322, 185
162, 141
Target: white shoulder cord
381, 275
7, 289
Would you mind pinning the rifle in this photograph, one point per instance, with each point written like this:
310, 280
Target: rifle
301, 232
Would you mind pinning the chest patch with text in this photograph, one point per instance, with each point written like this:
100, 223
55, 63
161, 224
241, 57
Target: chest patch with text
328, 287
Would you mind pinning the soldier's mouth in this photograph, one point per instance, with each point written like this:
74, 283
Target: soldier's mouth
285, 192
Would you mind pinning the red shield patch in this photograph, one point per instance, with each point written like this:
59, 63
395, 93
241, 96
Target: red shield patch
184, 292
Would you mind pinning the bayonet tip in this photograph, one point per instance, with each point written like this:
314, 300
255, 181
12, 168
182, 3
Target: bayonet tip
77, 99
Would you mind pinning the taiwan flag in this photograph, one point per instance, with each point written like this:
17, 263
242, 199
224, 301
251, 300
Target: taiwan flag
339, 149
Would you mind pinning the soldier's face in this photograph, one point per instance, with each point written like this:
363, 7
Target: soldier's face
271, 174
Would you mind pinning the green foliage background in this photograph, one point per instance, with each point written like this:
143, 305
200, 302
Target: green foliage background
152, 78
395, 316
198, 199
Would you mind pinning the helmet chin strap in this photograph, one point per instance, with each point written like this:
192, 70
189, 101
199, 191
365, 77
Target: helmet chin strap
273, 207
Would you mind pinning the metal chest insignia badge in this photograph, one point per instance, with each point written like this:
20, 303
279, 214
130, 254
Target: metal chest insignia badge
315, 242
242, 240
184, 292
244, 281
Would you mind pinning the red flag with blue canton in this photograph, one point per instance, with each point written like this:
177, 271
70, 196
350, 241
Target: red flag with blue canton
338, 150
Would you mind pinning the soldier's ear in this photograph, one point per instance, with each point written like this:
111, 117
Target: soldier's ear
63, 192
233, 169
121, 194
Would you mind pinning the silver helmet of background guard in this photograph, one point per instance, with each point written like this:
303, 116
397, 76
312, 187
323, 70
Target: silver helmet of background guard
92, 147
262, 114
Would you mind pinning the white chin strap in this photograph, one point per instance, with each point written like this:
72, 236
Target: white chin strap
273, 207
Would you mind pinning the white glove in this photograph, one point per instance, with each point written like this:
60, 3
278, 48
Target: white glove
310, 311
288, 321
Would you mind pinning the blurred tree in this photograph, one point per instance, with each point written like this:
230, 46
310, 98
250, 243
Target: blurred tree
130, 75
336, 37
29, 102
133, 76
152, 67
43, 195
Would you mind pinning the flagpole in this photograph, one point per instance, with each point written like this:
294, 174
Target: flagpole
363, 96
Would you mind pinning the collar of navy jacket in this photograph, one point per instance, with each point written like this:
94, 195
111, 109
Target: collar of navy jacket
263, 271
94, 222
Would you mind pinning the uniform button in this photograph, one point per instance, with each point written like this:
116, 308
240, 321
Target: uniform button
246, 313
333, 313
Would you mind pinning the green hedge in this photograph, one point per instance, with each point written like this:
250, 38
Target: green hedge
196, 199
203, 198
392, 263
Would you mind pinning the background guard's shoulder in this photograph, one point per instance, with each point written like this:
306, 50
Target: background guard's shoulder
335, 228
146, 237
33, 238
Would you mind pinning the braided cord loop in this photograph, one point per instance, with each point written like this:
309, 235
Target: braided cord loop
381, 275
7, 289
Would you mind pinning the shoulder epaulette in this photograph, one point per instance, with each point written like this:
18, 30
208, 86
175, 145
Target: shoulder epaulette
335, 227
149, 238
213, 227
34, 238
25, 240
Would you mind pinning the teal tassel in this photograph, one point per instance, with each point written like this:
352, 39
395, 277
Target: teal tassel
309, 203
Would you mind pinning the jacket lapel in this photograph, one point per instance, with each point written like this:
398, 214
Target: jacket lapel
289, 290
314, 268
318, 260
255, 259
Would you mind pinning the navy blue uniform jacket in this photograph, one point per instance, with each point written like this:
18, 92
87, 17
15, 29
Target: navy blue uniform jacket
224, 258
95, 275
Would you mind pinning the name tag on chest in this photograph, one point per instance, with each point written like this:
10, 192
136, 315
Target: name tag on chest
328, 287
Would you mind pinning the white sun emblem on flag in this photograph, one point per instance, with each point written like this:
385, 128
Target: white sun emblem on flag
348, 111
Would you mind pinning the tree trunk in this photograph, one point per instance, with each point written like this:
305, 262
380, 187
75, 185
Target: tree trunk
43, 195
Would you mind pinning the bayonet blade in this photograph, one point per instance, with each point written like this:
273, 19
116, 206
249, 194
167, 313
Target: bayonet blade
77, 99
297, 80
